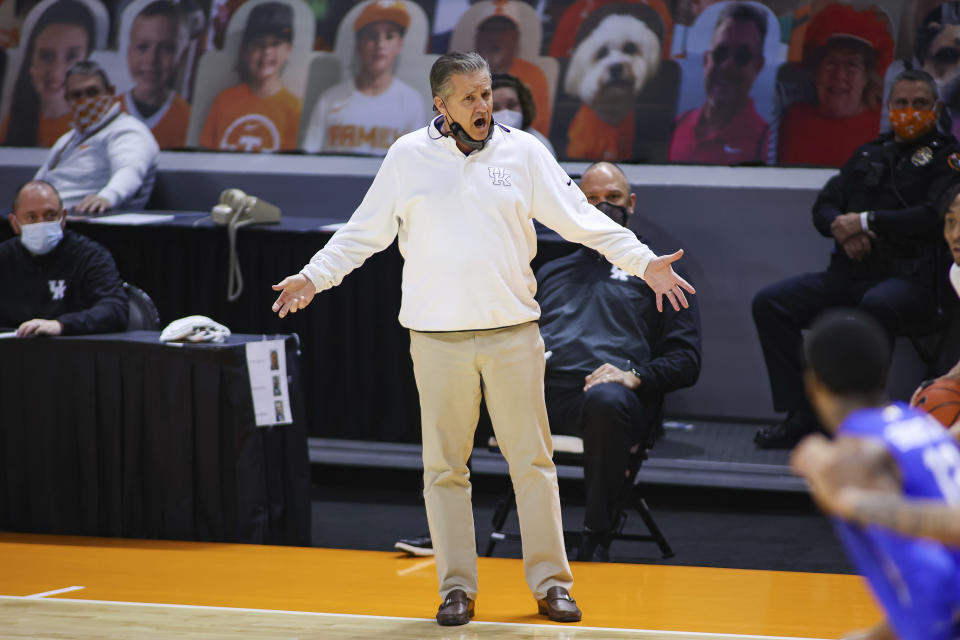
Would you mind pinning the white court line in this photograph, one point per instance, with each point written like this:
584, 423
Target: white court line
318, 614
53, 593
417, 566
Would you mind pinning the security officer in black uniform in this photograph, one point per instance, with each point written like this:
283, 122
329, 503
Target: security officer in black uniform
881, 211
53, 281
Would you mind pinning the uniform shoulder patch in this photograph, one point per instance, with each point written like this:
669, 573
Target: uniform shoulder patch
953, 160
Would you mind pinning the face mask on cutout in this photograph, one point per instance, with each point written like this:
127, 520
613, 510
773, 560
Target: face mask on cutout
615, 212
40, 238
89, 111
513, 119
911, 124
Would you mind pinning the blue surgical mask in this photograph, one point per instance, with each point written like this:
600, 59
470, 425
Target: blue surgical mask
40, 238
508, 118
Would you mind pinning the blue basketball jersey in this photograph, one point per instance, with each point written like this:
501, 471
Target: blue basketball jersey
917, 581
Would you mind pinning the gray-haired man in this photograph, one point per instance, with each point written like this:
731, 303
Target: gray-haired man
108, 159
461, 195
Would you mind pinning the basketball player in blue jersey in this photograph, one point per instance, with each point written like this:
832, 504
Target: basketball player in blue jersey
886, 449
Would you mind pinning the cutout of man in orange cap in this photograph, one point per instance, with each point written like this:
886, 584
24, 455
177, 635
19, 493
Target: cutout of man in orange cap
367, 113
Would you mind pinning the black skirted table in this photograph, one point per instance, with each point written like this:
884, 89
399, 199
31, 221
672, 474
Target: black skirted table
121, 435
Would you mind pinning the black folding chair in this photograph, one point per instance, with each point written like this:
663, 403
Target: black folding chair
568, 450
141, 313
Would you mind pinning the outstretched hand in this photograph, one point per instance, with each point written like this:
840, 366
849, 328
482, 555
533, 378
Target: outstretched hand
296, 293
661, 277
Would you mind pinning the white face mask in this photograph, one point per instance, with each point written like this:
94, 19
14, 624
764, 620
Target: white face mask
508, 118
40, 238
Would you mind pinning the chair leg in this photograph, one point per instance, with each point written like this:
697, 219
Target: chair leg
641, 506
500, 514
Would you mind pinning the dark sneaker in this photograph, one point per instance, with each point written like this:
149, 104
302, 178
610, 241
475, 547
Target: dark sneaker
594, 547
788, 433
422, 546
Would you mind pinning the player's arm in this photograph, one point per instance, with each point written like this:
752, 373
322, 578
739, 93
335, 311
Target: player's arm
833, 469
371, 228
860, 484
919, 518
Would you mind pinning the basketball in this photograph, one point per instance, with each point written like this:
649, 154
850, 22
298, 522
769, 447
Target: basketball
941, 400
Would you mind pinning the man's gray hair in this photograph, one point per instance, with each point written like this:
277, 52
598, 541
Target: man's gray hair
917, 75
88, 68
451, 64
745, 12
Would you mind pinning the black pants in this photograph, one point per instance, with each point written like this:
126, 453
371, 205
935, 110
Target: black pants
782, 310
609, 418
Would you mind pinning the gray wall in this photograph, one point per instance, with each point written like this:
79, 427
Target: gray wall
737, 241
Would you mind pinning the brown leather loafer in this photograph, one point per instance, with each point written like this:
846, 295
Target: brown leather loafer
456, 609
559, 606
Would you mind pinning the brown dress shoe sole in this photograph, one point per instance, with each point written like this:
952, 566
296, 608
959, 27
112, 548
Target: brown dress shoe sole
558, 615
455, 619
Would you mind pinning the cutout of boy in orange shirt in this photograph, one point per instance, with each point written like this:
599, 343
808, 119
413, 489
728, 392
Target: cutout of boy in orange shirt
260, 114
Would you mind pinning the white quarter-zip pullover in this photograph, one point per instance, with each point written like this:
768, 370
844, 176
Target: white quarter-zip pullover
465, 228
118, 163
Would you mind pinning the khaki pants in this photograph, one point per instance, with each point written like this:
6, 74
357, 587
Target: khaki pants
450, 368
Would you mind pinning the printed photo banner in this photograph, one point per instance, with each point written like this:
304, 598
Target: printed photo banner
625, 80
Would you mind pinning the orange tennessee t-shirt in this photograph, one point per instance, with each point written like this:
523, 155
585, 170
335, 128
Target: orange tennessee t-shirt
590, 138
533, 76
49, 130
169, 126
239, 120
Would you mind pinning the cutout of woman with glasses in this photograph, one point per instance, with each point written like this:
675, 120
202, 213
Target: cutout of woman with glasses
727, 129
847, 50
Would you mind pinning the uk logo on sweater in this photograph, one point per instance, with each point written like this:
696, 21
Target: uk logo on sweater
616, 273
58, 289
499, 176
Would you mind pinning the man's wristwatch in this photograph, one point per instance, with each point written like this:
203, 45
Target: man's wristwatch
634, 371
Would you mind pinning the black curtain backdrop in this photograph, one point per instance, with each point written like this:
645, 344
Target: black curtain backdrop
121, 435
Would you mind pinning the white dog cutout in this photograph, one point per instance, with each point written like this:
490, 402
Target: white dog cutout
608, 70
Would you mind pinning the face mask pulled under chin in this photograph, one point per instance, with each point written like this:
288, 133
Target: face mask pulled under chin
513, 119
40, 238
617, 213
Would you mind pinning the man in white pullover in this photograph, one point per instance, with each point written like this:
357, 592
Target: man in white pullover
462, 194
108, 159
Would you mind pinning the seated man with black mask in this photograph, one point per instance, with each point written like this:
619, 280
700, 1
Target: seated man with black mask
55, 281
613, 356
